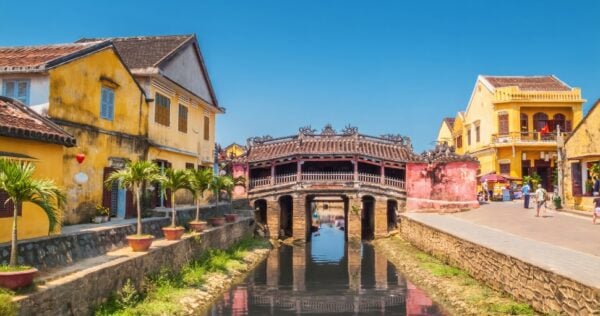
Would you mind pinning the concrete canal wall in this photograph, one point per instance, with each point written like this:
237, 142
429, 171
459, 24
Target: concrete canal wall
545, 290
80, 292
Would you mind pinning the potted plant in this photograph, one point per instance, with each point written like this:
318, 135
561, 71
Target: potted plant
557, 202
133, 177
102, 214
217, 184
98, 217
16, 180
199, 180
175, 180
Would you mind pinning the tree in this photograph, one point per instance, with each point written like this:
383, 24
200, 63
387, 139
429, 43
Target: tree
175, 180
220, 183
16, 179
199, 180
133, 177
534, 179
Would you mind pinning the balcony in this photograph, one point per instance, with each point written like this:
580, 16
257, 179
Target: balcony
512, 94
312, 177
526, 138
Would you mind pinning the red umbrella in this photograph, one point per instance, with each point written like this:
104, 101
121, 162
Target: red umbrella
492, 178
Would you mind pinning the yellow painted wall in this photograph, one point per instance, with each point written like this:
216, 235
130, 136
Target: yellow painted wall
237, 150
48, 163
458, 130
75, 90
584, 141
445, 134
177, 161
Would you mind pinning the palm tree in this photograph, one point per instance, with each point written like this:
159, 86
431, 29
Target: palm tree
133, 177
220, 183
16, 179
175, 180
200, 180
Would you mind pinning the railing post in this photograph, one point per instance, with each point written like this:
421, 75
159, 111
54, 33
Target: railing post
299, 171
272, 173
382, 180
355, 161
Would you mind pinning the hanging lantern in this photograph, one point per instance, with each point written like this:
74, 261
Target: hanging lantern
80, 157
81, 178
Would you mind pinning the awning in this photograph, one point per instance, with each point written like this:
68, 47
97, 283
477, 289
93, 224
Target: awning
6, 154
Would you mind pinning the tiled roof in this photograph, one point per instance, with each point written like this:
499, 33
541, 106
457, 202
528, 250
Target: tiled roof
145, 51
17, 120
357, 144
528, 83
449, 121
39, 58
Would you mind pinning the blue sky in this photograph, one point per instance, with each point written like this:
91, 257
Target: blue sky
384, 66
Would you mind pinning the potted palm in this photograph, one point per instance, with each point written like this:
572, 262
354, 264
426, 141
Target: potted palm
132, 177
16, 180
228, 185
199, 182
175, 180
217, 184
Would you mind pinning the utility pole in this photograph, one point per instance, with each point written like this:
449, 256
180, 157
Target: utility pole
560, 142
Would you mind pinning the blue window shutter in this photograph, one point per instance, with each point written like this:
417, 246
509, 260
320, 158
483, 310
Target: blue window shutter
111, 104
103, 103
107, 103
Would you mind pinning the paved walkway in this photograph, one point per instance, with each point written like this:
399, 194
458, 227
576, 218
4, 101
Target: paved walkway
516, 232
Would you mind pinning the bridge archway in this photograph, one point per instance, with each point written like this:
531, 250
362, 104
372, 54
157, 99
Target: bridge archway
286, 215
368, 217
392, 219
260, 211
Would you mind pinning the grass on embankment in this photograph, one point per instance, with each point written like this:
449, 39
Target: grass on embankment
7, 307
162, 293
453, 288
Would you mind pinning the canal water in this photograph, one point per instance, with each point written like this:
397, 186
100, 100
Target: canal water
325, 277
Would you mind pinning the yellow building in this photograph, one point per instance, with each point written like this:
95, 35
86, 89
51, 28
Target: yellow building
445, 134
581, 152
183, 106
511, 124
26, 135
87, 90
234, 150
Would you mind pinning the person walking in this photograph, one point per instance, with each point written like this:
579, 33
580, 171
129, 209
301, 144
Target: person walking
596, 187
484, 188
540, 199
526, 190
596, 210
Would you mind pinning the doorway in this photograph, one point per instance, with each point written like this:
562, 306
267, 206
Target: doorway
368, 218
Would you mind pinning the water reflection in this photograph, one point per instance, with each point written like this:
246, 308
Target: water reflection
327, 276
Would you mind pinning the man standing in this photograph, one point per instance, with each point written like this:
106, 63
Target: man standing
540, 198
526, 189
484, 188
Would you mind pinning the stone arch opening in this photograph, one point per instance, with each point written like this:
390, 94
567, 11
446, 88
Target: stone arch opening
392, 218
368, 218
260, 211
286, 215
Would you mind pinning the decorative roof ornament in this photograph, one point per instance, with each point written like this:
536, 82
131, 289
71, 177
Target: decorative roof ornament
445, 153
349, 130
307, 130
258, 140
396, 138
328, 130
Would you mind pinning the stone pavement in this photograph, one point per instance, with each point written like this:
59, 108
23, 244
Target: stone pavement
562, 243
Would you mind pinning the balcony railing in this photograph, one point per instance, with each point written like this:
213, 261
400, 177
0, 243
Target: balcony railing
508, 94
327, 176
525, 137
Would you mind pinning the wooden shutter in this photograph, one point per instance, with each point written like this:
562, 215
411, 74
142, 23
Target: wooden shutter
206, 128
6, 209
503, 123
130, 208
576, 185
183, 118
568, 126
162, 109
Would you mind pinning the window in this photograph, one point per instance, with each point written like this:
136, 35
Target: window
469, 137
503, 123
189, 165
183, 118
560, 120
459, 142
6, 209
17, 89
107, 103
540, 120
524, 124
477, 134
505, 168
162, 110
206, 128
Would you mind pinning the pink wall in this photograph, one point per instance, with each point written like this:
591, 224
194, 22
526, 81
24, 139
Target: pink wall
239, 170
450, 186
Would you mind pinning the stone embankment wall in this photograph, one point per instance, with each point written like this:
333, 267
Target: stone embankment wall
545, 290
81, 292
60, 250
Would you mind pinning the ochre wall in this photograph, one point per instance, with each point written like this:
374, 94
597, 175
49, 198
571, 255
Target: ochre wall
445, 134
441, 186
75, 90
48, 163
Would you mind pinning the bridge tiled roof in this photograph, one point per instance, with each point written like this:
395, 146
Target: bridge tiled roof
387, 147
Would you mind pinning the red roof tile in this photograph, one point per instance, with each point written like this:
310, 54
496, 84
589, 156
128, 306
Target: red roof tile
528, 83
449, 121
17, 120
37, 58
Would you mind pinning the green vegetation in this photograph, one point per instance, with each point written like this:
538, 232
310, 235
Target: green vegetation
7, 307
449, 285
162, 293
13, 269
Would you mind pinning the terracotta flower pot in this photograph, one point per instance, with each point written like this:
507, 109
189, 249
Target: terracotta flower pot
173, 233
140, 243
230, 218
198, 226
17, 279
216, 221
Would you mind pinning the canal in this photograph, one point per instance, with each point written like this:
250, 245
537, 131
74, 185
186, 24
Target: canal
326, 276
